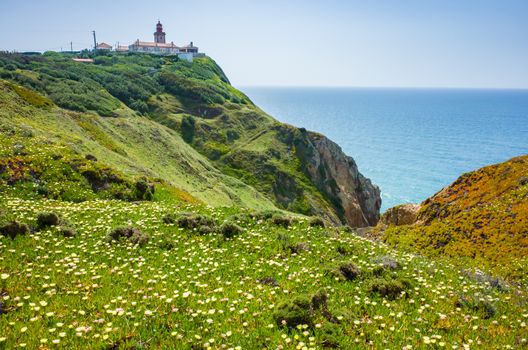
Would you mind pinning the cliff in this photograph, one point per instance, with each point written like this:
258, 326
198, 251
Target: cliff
182, 123
356, 199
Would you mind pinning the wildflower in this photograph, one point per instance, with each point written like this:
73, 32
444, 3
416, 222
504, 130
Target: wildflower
4, 276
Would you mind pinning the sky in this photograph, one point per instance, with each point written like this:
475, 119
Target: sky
376, 43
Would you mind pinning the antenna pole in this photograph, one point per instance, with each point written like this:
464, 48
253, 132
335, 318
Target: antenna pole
95, 41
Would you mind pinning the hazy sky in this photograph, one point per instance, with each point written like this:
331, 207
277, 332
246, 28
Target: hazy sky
443, 43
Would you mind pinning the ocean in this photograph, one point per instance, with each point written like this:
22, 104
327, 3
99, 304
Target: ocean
410, 142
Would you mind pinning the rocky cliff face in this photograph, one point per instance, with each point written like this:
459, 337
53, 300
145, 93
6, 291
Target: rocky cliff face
355, 198
405, 214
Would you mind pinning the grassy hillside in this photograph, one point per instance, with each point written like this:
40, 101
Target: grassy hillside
34, 135
230, 278
149, 111
481, 217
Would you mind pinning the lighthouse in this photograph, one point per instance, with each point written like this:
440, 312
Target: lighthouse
159, 34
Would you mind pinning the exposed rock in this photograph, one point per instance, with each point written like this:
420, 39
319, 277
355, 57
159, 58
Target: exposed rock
356, 200
405, 214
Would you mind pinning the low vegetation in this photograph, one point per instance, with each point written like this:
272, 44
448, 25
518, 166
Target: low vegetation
482, 218
141, 275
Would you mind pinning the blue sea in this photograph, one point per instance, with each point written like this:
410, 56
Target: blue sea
410, 142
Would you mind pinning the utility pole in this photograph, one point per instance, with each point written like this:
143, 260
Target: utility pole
95, 41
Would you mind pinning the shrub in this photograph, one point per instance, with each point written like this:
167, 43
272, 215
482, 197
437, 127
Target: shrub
230, 230
299, 247
67, 231
166, 244
264, 215
13, 229
349, 271
144, 190
91, 157
47, 219
319, 301
168, 219
484, 309
330, 335
131, 234
187, 128
292, 313
191, 221
343, 250
316, 222
280, 220
389, 288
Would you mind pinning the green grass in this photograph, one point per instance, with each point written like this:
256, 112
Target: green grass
133, 146
135, 89
203, 291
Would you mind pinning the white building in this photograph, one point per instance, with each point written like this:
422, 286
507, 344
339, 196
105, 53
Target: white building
160, 47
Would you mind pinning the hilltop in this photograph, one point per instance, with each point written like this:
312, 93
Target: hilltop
481, 218
183, 124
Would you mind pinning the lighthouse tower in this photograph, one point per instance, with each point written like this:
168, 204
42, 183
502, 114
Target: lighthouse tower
159, 34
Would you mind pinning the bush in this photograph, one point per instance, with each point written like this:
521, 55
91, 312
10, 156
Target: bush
144, 190
389, 288
166, 244
202, 223
280, 220
187, 128
131, 234
299, 247
330, 335
47, 219
230, 230
91, 157
484, 309
168, 219
349, 271
13, 229
297, 311
343, 250
317, 222
67, 231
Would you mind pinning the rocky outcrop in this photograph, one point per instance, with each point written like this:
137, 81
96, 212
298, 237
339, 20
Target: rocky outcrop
405, 214
355, 199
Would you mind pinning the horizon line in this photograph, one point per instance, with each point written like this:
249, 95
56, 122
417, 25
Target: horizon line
241, 86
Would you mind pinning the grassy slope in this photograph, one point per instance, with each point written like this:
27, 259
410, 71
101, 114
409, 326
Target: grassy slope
132, 145
186, 290
482, 217
231, 134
